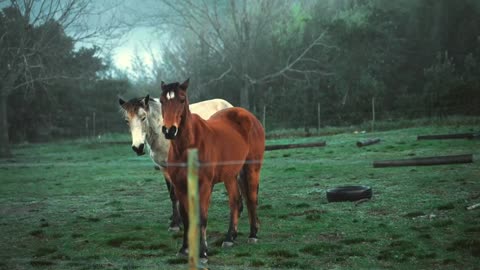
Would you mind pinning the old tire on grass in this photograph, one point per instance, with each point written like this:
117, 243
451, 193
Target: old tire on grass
348, 193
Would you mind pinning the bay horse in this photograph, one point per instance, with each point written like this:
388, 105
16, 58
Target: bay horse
142, 116
230, 144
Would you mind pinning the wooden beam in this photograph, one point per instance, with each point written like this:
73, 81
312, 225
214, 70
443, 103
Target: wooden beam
425, 161
448, 136
368, 142
290, 146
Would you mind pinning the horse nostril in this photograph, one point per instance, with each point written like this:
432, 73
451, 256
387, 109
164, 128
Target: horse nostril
173, 131
170, 133
139, 149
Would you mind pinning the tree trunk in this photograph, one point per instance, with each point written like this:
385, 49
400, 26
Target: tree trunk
4, 141
244, 96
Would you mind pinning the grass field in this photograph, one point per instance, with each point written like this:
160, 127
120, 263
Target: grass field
95, 205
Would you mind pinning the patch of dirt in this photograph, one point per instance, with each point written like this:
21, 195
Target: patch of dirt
304, 213
472, 245
37, 263
117, 242
379, 212
18, 210
282, 253
330, 237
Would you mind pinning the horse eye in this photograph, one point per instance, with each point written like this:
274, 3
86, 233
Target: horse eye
182, 100
126, 121
143, 119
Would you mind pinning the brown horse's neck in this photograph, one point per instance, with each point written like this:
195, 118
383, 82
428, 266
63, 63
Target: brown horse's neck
185, 138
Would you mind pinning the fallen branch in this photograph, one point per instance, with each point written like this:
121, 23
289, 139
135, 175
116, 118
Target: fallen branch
471, 207
368, 142
425, 161
290, 146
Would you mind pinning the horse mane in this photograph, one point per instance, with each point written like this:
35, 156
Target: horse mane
171, 86
155, 108
133, 103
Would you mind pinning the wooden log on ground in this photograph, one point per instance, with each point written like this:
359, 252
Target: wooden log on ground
290, 146
368, 142
425, 161
448, 136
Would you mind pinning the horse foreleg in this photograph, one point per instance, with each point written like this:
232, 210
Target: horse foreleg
175, 218
235, 202
205, 191
182, 206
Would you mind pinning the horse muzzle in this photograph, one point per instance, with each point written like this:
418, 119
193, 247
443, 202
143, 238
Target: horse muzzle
170, 133
139, 150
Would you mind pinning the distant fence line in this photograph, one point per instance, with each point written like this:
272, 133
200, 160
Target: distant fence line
94, 124
115, 123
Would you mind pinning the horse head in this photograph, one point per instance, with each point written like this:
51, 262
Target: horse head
174, 107
136, 111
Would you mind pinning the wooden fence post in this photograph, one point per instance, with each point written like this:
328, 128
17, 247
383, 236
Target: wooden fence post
93, 124
193, 210
87, 132
264, 117
318, 116
373, 114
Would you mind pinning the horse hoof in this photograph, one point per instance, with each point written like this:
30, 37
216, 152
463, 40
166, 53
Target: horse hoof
182, 253
203, 260
252, 240
227, 244
174, 229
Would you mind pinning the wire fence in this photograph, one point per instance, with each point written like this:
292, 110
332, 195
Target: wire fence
95, 123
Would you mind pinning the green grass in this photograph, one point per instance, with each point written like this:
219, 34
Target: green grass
93, 204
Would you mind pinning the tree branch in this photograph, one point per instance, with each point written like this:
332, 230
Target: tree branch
290, 64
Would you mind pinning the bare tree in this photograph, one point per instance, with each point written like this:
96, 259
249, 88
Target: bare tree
23, 46
233, 30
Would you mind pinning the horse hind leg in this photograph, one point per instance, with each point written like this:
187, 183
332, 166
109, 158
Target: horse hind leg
235, 203
249, 180
240, 210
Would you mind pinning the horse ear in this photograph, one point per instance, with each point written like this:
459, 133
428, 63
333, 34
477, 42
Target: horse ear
162, 84
145, 102
184, 85
121, 101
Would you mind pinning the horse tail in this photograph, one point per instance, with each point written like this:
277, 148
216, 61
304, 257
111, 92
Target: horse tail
249, 177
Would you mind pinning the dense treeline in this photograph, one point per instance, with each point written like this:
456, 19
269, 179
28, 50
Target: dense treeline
416, 58
49, 86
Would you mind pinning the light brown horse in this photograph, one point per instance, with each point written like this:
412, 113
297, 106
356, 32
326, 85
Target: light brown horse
230, 144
